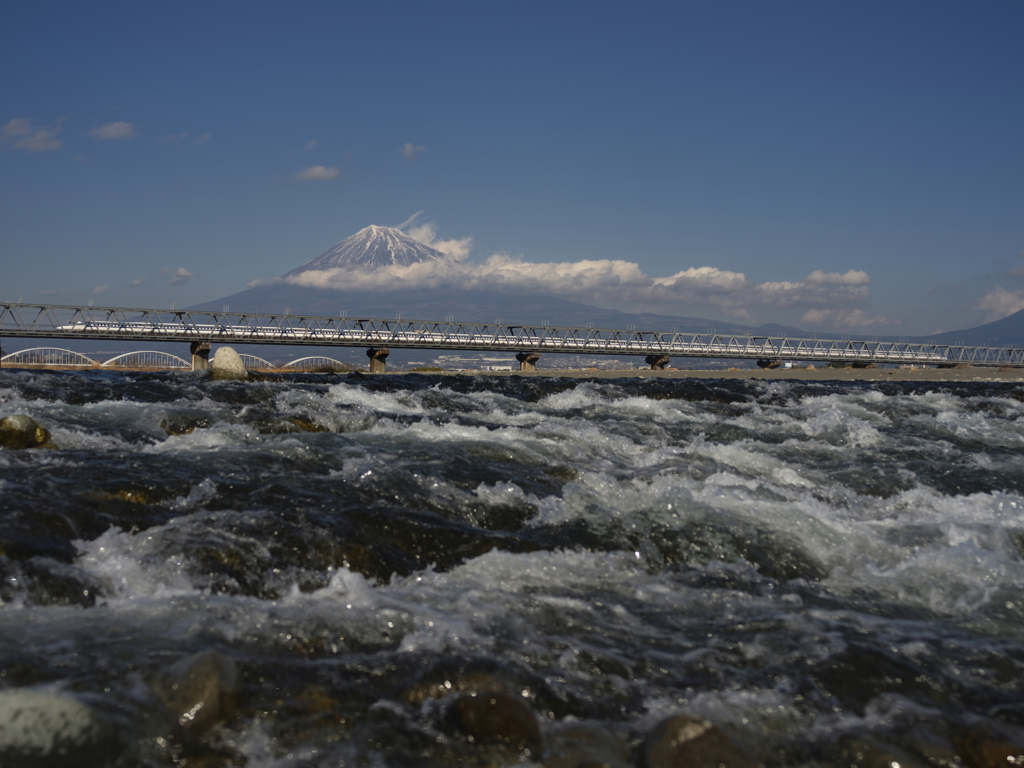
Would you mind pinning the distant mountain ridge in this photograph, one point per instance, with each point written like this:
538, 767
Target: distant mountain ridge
1009, 331
370, 248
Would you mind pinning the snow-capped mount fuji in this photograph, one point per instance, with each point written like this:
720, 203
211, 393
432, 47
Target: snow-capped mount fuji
371, 248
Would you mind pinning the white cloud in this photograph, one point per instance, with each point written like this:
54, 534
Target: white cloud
99, 290
1017, 271
177, 277
201, 138
110, 131
607, 281
1000, 303
21, 134
311, 145
825, 298
409, 150
316, 173
137, 282
457, 249
843, 319
853, 277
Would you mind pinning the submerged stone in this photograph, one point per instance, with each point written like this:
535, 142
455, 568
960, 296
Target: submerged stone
185, 423
497, 717
437, 688
201, 690
228, 365
20, 431
683, 741
585, 746
46, 730
865, 752
983, 750
933, 743
307, 425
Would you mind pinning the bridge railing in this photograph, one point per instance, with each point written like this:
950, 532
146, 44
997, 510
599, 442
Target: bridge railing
50, 321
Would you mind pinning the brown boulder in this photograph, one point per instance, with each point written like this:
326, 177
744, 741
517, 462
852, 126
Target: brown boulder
683, 741
585, 746
982, 750
20, 431
497, 717
201, 690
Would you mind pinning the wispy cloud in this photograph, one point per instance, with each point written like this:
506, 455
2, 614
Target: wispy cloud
843, 319
99, 290
1017, 271
409, 150
21, 134
112, 131
613, 282
174, 138
826, 300
201, 138
180, 276
136, 283
1000, 303
47, 292
426, 233
311, 145
316, 173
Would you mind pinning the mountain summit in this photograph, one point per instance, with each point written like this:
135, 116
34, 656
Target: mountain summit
371, 248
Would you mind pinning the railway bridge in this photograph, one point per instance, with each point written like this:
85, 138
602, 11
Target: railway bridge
527, 342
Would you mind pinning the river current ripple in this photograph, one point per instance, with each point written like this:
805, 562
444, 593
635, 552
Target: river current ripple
799, 563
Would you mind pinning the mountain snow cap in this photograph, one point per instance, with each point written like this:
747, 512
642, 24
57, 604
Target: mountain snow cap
371, 248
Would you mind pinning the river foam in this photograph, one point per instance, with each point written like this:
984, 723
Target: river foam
799, 563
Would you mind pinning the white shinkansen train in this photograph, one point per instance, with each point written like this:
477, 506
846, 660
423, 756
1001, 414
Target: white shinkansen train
547, 339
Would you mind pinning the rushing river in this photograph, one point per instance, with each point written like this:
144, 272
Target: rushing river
806, 565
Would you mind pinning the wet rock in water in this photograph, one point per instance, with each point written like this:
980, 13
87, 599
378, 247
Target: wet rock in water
497, 717
683, 741
200, 690
856, 751
185, 423
22, 431
437, 688
934, 745
307, 425
983, 750
45, 730
585, 746
227, 365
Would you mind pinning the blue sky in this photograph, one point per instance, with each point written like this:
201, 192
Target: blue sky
847, 166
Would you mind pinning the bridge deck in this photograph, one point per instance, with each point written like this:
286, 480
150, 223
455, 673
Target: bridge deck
72, 322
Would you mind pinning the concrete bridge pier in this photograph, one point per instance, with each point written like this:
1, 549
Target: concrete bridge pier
200, 355
527, 361
657, 362
378, 356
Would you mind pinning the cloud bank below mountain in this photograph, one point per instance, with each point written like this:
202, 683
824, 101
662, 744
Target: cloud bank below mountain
827, 299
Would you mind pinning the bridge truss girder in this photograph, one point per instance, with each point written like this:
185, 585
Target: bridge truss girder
72, 322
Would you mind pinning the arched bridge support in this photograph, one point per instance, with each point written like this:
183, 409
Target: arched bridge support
527, 361
657, 362
200, 355
378, 356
